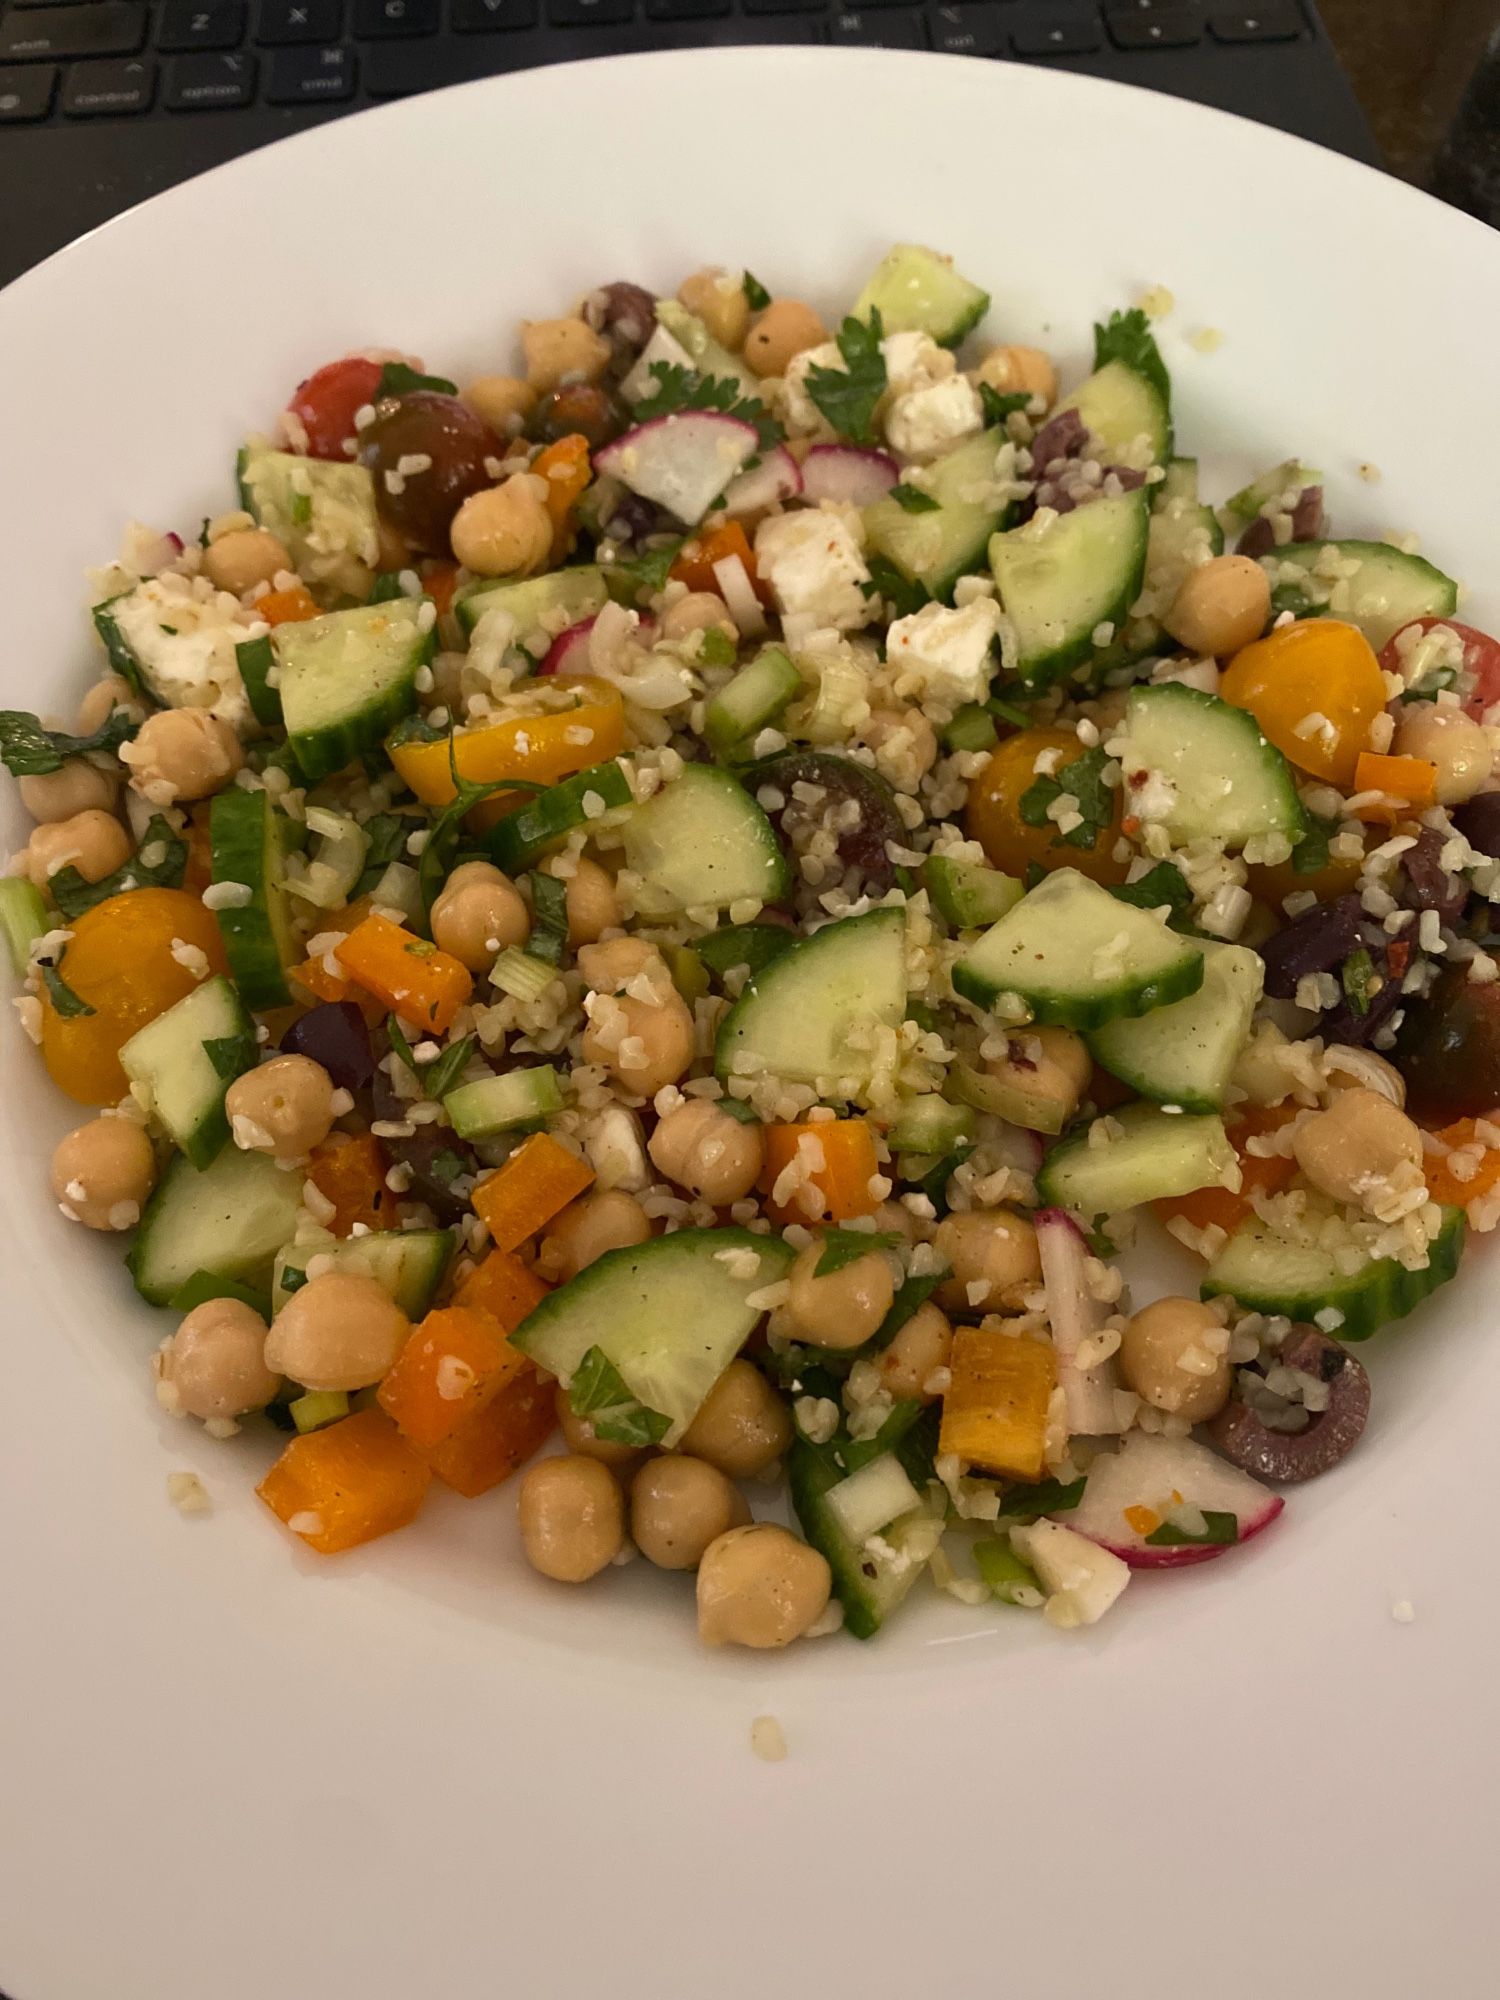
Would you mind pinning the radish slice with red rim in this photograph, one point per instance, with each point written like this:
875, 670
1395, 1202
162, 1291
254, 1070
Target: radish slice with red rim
849, 473
1162, 1503
777, 477
683, 462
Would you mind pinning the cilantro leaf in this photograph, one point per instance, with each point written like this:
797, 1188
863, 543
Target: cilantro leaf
912, 500
1082, 780
756, 295
996, 407
678, 388
73, 894
1310, 855
1357, 978
598, 1391
632, 579
847, 396
1161, 884
549, 918
1128, 337
27, 750
1219, 1531
396, 379
846, 1246
65, 1002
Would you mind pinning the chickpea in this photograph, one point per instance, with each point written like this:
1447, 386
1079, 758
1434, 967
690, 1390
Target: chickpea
1358, 1148
1220, 606
102, 1173
562, 350
760, 1586
579, 1437
643, 1035
504, 530
243, 558
78, 786
100, 702
742, 1426
182, 753
340, 1330
1048, 1070
919, 1350
284, 1108
784, 330
843, 1308
501, 401
718, 299
1453, 742
1362, 1069
593, 906
479, 913
992, 1247
572, 1518
699, 611
905, 745
604, 1219
678, 1506
215, 1363
93, 842
1175, 1354
1010, 370
708, 1151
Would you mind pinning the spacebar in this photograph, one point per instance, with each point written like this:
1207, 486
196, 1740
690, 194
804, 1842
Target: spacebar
401, 69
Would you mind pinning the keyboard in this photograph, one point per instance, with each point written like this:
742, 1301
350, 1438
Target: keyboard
104, 101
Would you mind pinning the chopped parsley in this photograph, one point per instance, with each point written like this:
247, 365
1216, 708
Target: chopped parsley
231, 1055
678, 389
385, 842
1163, 884
912, 500
1030, 1503
900, 593
716, 648
1128, 337
634, 578
847, 396
549, 923
1310, 855
439, 1077
996, 407
1082, 780
1219, 1531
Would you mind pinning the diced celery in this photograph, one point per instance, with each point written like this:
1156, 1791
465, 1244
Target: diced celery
1010, 1580
319, 1407
520, 975
23, 916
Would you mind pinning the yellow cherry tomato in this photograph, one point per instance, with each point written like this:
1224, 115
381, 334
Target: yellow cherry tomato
994, 817
119, 961
575, 723
1315, 688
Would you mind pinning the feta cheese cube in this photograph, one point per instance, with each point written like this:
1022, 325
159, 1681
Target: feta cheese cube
914, 361
924, 423
812, 562
183, 634
943, 656
799, 412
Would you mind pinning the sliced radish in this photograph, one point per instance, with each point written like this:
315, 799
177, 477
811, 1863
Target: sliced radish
1081, 1577
777, 477
569, 651
643, 380
1151, 1480
848, 472
1093, 1394
682, 462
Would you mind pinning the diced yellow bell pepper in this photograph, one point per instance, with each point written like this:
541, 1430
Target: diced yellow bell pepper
533, 749
995, 1408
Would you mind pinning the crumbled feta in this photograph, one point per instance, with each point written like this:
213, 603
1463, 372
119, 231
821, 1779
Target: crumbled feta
183, 635
798, 410
915, 361
926, 422
813, 565
947, 654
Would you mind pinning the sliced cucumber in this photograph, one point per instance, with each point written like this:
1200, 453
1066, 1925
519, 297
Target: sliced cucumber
230, 1219
814, 1014
1127, 414
541, 604
929, 1124
868, 1590
349, 677
521, 837
1387, 591
1183, 1054
938, 546
23, 918
671, 1314
408, 1263
322, 509
1061, 578
917, 291
1267, 1271
756, 696
1011, 1094
968, 895
1154, 1156
498, 1104
703, 843
706, 353
1078, 957
1223, 780
1288, 478
245, 841
256, 660
185, 1060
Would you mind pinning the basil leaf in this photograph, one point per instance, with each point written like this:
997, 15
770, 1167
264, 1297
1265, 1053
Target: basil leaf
439, 1077
1082, 780
912, 500
396, 1035
385, 841
756, 295
28, 750
912, 1293
1050, 1496
1310, 855
1161, 884
599, 1392
996, 407
73, 895
1219, 1531
549, 918
847, 396
846, 1246
396, 379
65, 1002
232, 1055
678, 388
1128, 337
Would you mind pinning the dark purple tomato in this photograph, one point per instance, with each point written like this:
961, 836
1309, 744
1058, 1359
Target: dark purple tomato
1448, 1050
579, 409
439, 428
334, 1034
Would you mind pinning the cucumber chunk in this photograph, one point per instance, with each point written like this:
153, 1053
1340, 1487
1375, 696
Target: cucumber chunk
1127, 414
930, 1124
1183, 1054
968, 895
917, 291
541, 604
1222, 779
1062, 577
185, 1060
230, 1219
757, 695
670, 1314
408, 1263
1154, 1156
869, 1589
1078, 957
1387, 591
937, 547
349, 677
23, 918
708, 356
1282, 481
256, 660
1019, 1100
1267, 1271
702, 843
245, 841
498, 1104
814, 1015
521, 837
322, 509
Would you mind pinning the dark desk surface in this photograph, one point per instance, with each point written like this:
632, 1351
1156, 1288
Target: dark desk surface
1409, 62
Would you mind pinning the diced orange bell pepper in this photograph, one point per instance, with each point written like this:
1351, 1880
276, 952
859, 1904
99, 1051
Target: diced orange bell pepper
566, 469
995, 1407
450, 1367
533, 749
286, 607
347, 1484
1444, 1185
425, 986
1218, 1207
538, 1180
505, 1433
842, 1162
695, 562
348, 1169
313, 976
1409, 785
503, 1287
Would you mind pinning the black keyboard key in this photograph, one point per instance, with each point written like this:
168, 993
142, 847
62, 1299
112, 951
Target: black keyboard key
283, 23
115, 29
589, 13
109, 89
391, 71
1277, 21
485, 17
685, 10
1154, 27
785, 6
389, 19
879, 30
968, 31
26, 94
311, 76
200, 24
210, 83
1058, 35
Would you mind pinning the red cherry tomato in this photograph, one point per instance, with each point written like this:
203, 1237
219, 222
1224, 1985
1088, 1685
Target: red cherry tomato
1481, 660
326, 402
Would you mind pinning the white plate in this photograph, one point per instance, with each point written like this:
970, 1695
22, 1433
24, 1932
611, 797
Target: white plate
229, 1771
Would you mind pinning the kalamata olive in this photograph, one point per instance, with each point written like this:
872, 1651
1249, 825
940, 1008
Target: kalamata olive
334, 1034
425, 425
1478, 820
577, 409
1427, 884
435, 1154
1448, 1050
1063, 436
1318, 941
632, 518
1330, 1434
1355, 1027
626, 313
1308, 524
862, 845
